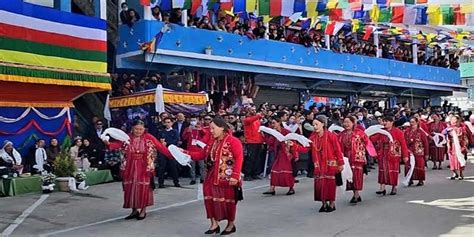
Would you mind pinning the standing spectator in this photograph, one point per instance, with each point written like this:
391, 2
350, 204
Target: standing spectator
156, 13
40, 158
308, 129
124, 17
254, 141
168, 136
96, 142
260, 30
192, 137
176, 17
133, 17
180, 125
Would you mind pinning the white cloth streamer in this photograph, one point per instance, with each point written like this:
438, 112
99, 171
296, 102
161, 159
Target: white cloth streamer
182, 158
406, 181
290, 136
335, 128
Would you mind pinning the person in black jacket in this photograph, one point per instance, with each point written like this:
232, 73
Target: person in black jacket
308, 129
168, 136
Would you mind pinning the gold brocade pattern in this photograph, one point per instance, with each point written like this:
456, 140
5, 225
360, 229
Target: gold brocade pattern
395, 149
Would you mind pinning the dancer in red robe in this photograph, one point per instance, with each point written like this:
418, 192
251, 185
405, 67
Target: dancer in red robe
138, 169
437, 154
417, 142
223, 156
455, 128
353, 143
389, 156
327, 158
282, 168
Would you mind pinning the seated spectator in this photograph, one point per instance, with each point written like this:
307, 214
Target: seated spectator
166, 17
91, 153
221, 25
53, 150
10, 157
76, 152
141, 85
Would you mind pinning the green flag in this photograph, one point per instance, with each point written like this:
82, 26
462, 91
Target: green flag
263, 7
448, 15
210, 4
385, 15
187, 4
409, 1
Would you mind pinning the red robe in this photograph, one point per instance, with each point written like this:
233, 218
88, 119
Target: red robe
437, 154
463, 137
417, 142
282, 169
353, 146
223, 160
390, 155
138, 169
191, 134
327, 158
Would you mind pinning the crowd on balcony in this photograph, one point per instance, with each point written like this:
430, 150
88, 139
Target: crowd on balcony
343, 42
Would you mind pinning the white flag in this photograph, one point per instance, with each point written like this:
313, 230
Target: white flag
107, 114
159, 102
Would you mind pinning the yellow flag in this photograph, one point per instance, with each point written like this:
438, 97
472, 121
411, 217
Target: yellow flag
467, 8
430, 37
314, 21
250, 5
311, 8
266, 19
374, 14
435, 17
331, 4
355, 25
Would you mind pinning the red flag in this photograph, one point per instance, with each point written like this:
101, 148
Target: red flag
195, 6
397, 14
335, 14
459, 17
226, 5
333, 27
145, 2
275, 7
368, 32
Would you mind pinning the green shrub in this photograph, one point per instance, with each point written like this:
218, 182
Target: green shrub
64, 165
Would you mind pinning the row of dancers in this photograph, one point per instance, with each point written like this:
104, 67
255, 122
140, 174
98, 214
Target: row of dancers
223, 155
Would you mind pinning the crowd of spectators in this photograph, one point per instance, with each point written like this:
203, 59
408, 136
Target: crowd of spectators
344, 42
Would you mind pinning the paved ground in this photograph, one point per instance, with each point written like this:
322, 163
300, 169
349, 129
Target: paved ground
441, 208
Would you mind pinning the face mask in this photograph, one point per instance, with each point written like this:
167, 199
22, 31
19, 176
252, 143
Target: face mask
193, 123
302, 119
291, 121
360, 117
125, 8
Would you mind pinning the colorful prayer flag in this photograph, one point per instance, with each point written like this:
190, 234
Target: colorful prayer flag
397, 14
263, 7
239, 6
299, 6
333, 27
250, 5
145, 2
311, 8
178, 3
226, 5
287, 7
409, 15
275, 7
368, 32
335, 14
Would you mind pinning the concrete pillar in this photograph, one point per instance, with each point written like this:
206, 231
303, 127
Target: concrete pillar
63, 5
267, 31
376, 42
415, 53
100, 9
184, 17
327, 40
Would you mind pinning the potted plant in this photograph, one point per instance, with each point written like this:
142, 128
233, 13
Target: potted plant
80, 178
64, 168
49, 180
208, 50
